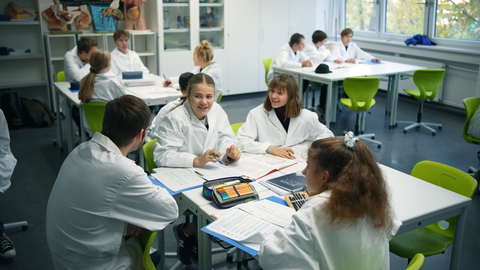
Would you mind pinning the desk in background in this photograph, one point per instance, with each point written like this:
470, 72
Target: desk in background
152, 95
345, 70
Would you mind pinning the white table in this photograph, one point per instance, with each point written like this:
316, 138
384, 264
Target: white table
152, 95
417, 203
345, 70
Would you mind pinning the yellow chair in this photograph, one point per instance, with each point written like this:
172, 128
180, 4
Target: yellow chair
434, 239
219, 97
146, 240
61, 76
94, 112
266, 64
236, 126
417, 262
471, 104
148, 154
428, 82
360, 92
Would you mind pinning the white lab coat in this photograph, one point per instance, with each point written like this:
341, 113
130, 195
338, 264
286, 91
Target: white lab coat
263, 128
213, 70
318, 54
353, 51
106, 88
157, 120
309, 242
182, 137
286, 58
75, 69
97, 193
7, 160
127, 62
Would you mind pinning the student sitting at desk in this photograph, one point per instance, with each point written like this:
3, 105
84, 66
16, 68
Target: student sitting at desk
124, 59
281, 122
202, 59
100, 195
316, 49
347, 220
77, 61
193, 134
346, 50
99, 85
183, 82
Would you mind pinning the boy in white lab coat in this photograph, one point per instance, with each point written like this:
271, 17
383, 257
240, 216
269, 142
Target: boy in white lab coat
316, 49
281, 125
346, 50
347, 221
77, 61
193, 134
124, 59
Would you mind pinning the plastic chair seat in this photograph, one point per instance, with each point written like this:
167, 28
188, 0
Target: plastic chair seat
146, 240
236, 126
417, 262
348, 102
266, 65
417, 94
423, 239
94, 112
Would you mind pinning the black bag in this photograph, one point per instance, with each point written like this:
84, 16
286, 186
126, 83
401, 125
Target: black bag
12, 113
37, 113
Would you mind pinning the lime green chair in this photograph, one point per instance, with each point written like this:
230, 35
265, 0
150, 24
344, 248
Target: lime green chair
360, 92
148, 155
94, 112
428, 82
236, 126
417, 262
146, 239
219, 97
434, 239
266, 64
61, 76
471, 104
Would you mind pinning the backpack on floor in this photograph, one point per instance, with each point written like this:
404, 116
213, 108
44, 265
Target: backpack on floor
37, 113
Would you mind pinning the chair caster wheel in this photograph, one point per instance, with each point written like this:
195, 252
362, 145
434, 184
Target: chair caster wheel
405, 131
433, 133
439, 128
373, 138
229, 259
24, 228
379, 146
389, 127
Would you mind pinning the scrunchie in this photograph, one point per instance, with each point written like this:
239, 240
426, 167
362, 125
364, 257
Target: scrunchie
93, 70
349, 140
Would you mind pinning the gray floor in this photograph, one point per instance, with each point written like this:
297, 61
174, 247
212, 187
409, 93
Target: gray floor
39, 162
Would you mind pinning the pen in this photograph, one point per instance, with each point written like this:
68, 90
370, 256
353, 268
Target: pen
227, 184
289, 153
167, 83
201, 175
215, 155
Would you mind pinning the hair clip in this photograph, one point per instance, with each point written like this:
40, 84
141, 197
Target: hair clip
93, 70
349, 140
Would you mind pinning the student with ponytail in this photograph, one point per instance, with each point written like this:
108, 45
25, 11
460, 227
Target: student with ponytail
347, 221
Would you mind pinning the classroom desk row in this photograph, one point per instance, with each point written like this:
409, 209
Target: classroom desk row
345, 70
416, 203
152, 95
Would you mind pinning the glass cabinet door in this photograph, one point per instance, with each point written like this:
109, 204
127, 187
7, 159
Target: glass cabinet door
176, 25
211, 15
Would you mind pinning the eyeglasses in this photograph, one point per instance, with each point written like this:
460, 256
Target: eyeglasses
147, 131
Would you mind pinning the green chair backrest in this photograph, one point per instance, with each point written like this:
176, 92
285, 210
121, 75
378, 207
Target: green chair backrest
428, 82
61, 76
148, 154
146, 240
219, 97
94, 112
236, 126
471, 104
417, 262
266, 64
361, 91
449, 178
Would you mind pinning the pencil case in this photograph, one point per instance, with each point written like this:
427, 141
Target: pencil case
130, 75
241, 191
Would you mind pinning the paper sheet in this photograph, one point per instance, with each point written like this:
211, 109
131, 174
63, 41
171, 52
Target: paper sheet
257, 166
177, 178
213, 171
272, 212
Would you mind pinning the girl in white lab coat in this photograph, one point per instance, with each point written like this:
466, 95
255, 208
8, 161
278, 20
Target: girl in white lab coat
124, 59
202, 59
99, 85
281, 122
347, 221
346, 50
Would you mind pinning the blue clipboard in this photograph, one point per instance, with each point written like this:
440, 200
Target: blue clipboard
369, 62
157, 182
250, 251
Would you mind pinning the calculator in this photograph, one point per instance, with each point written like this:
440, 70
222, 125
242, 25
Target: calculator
296, 200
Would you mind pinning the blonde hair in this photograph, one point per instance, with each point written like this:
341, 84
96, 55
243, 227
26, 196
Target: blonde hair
199, 78
204, 50
99, 63
288, 83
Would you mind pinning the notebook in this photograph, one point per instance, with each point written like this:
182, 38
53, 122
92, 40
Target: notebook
290, 182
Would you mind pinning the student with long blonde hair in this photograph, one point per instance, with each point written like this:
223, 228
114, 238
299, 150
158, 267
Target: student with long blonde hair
203, 61
347, 221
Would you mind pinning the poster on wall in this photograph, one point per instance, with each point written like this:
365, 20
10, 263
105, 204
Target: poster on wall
102, 21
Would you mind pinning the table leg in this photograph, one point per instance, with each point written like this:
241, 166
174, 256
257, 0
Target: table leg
300, 86
82, 126
204, 245
389, 95
59, 120
457, 240
334, 101
68, 120
328, 106
394, 101
161, 248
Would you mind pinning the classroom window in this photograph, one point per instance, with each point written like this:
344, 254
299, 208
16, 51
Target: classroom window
458, 19
405, 17
361, 15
